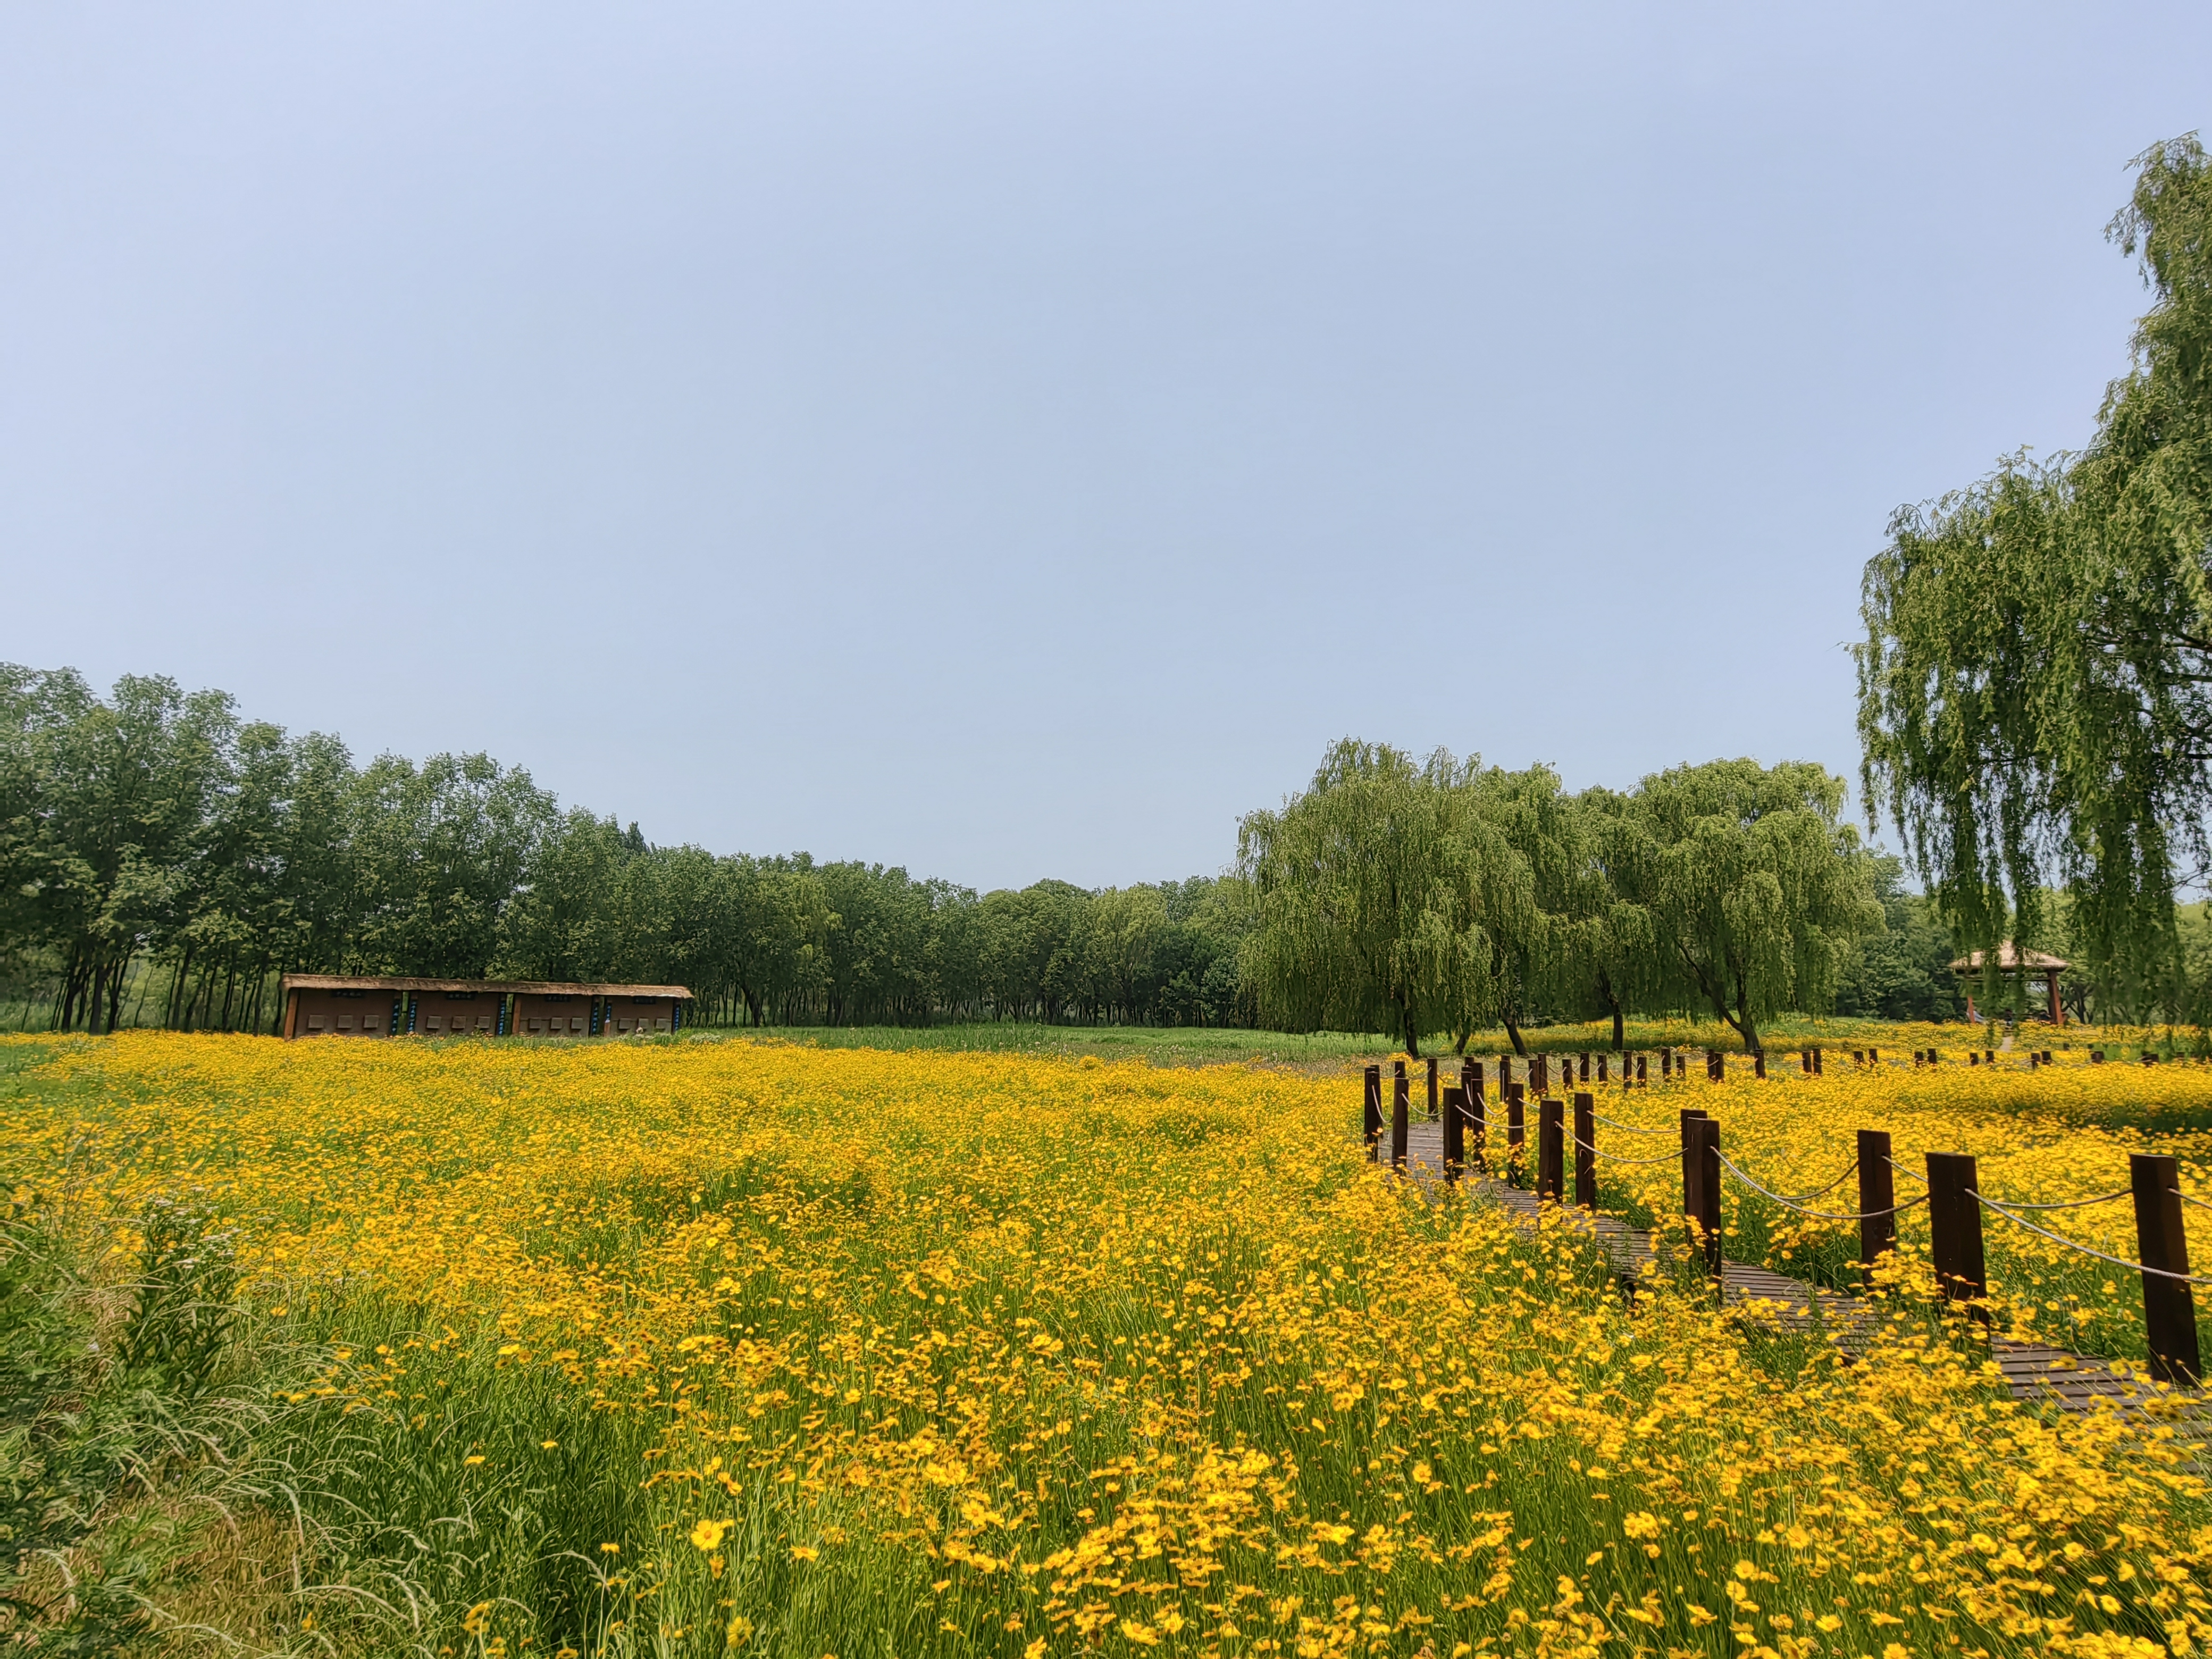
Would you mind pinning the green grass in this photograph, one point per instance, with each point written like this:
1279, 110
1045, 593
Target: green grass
1193, 1045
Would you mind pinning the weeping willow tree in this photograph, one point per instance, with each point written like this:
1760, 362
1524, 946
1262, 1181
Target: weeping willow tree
1382, 895
1755, 890
2035, 685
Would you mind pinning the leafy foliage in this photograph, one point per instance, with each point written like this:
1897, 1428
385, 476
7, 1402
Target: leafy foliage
2035, 685
1442, 898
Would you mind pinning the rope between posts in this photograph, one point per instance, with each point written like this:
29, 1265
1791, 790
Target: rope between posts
1849, 1169
2187, 1198
1818, 1215
1625, 1129
1664, 1157
2072, 1244
2072, 1203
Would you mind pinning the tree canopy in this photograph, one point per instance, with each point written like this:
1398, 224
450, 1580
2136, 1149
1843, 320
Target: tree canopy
2035, 685
1439, 897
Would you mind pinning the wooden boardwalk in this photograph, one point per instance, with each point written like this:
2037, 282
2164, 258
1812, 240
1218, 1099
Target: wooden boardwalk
2034, 1372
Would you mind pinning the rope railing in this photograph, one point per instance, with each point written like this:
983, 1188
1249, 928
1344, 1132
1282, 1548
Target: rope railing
2084, 1249
1949, 1190
1729, 1164
2069, 1204
1664, 1157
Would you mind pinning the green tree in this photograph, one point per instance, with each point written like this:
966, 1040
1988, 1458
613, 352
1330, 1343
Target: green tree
2035, 685
1902, 972
1373, 891
1756, 891
104, 805
441, 852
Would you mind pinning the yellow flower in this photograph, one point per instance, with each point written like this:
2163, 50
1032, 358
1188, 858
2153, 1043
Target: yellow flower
707, 1536
804, 1552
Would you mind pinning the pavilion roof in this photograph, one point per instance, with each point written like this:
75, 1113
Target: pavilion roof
2010, 960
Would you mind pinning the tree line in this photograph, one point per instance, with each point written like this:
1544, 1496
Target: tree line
163, 861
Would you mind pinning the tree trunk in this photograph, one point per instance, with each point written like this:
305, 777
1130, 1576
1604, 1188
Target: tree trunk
1514, 1031
1413, 1036
1744, 1023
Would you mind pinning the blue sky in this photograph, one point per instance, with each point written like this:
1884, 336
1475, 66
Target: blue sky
1013, 440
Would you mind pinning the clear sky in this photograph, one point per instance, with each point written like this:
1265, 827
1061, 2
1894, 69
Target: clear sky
1013, 439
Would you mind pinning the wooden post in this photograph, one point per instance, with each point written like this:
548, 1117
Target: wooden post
1539, 1075
1759, 1064
1600, 1068
2169, 1310
1693, 1168
1432, 1088
1877, 1193
1370, 1110
1551, 1148
1399, 1099
1516, 1120
1641, 1075
1666, 1064
1585, 1152
1955, 1223
291, 1014
1819, 1062
1472, 1075
1708, 1195
1455, 1131
1584, 1077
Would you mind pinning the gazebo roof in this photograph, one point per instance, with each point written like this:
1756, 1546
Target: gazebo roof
2010, 960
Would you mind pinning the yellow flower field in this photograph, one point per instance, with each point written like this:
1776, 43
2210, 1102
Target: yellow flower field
712, 1345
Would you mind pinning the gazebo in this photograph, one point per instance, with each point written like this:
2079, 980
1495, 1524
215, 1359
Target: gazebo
2030, 964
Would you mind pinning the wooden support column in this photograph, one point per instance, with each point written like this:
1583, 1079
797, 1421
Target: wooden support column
1586, 1152
1471, 1083
1954, 1225
1400, 1100
1432, 1088
1516, 1132
1709, 1195
1692, 1166
1877, 1193
1454, 1109
2169, 1310
1371, 1109
1551, 1149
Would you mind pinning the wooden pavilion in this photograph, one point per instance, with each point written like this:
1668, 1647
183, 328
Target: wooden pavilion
2029, 965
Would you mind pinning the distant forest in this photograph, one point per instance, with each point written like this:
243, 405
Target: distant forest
162, 860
